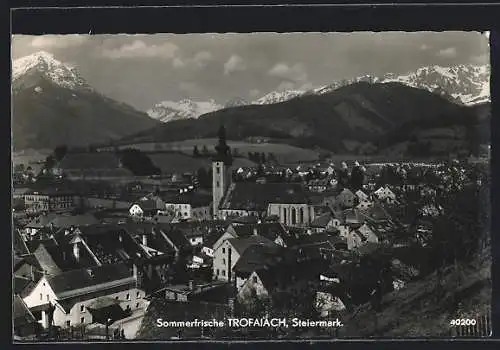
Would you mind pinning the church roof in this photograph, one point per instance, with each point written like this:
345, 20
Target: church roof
257, 196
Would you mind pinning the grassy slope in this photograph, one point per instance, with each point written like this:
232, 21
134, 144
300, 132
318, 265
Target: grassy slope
414, 310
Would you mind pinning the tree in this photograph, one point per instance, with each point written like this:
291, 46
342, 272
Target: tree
19, 168
262, 157
204, 151
236, 152
138, 162
196, 152
60, 152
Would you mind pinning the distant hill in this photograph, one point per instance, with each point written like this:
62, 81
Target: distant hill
344, 120
53, 105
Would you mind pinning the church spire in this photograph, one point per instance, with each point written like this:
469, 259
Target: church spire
222, 149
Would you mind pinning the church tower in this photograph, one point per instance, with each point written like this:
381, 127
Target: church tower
221, 170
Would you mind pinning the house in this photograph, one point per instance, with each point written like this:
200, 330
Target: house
318, 185
18, 243
227, 253
255, 258
28, 267
284, 283
329, 299
346, 198
25, 323
327, 222
190, 206
361, 196
364, 204
50, 200
385, 194
85, 296
361, 236
145, 207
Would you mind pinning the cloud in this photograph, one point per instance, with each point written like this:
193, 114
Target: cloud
449, 52
424, 47
139, 49
199, 60
178, 63
233, 64
296, 72
189, 87
58, 41
202, 58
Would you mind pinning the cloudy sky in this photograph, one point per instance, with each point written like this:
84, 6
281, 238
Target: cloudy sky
145, 69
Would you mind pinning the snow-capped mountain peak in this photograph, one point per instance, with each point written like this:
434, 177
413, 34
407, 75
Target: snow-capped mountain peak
167, 111
277, 97
43, 62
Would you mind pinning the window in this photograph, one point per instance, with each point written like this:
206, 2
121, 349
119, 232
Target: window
137, 305
116, 298
301, 214
294, 216
68, 323
218, 184
41, 296
218, 170
224, 261
48, 298
138, 294
218, 272
128, 296
284, 215
223, 250
254, 279
223, 272
82, 320
82, 308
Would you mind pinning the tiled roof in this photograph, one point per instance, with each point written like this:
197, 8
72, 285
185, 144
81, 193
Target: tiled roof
241, 244
322, 221
81, 279
255, 196
257, 257
19, 245
21, 313
22, 286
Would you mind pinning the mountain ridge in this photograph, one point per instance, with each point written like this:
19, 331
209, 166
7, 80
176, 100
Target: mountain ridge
52, 104
466, 84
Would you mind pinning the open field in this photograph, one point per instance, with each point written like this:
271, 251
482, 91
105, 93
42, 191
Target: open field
173, 162
284, 153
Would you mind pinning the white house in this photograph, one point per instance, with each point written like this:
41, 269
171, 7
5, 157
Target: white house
384, 193
327, 303
82, 296
227, 252
361, 196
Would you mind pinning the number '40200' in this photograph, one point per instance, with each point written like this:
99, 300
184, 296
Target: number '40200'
463, 322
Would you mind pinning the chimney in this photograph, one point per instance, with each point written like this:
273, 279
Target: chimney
191, 285
134, 271
144, 239
76, 251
